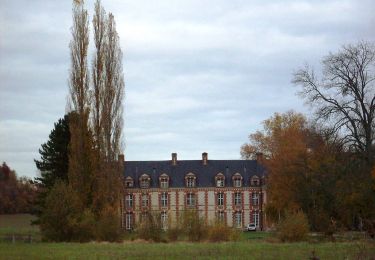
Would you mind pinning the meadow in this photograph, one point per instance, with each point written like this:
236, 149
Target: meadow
256, 245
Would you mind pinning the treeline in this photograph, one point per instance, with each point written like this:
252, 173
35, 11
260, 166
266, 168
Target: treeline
80, 177
324, 167
17, 195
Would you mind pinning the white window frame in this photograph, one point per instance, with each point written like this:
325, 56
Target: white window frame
164, 199
164, 183
145, 200
221, 216
190, 199
164, 220
237, 199
220, 199
238, 219
220, 182
256, 218
190, 182
255, 198
129, 201
128, 221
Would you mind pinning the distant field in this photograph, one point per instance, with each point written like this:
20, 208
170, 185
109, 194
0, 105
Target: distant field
19, 224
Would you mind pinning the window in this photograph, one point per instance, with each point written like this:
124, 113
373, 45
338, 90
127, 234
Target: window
220, 199
164, 199
237, 180
129, 201
256, 219
255, 198
128, 221
190, 180
164, 220
144, 200
144, 181
219, 178
129, 183
255, 181
238, 219
164, 183
190, 199
237, 198
220, 216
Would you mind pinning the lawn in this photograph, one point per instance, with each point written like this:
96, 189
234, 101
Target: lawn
184, 250
252, 245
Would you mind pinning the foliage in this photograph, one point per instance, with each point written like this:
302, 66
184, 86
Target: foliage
194, 226
108, 225
173, 233
17, 195
53, 165
150, 227
219, 231
294, 227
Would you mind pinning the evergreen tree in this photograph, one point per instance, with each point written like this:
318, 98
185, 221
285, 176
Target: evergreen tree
54, 161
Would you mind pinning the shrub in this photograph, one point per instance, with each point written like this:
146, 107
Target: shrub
150, 227
220, 232
194, 226
108, 225
294, 227
173, 233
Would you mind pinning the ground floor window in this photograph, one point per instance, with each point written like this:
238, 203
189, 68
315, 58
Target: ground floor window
221, 216
128, 221
164, 220
238, 219
256, 218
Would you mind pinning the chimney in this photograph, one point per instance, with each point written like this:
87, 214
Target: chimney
121, 160
204, 158
174, 158
259, 157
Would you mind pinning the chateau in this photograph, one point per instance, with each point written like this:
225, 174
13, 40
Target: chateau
232, 191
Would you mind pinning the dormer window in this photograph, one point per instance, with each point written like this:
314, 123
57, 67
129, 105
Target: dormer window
129, 183
144, 181
164, 181
237, 180
220, 180
190, 180
255, 181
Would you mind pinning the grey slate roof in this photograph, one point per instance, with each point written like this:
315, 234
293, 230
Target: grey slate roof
205, 174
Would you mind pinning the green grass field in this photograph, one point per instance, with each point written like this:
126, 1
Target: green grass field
252, 245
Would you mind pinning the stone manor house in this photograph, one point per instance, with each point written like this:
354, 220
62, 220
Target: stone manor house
232, 191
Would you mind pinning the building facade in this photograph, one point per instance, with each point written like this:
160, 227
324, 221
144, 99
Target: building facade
232, 191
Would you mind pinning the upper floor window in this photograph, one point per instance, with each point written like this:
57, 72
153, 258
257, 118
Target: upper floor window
190, 199
190, 180
255, 181
129, 183
220, 178
164, 199
129, 201
164, 181
144, 200
237, 198
237, 180
144, 181
255, 198
220, 199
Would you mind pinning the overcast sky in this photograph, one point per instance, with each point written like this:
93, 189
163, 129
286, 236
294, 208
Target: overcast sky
200, 75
